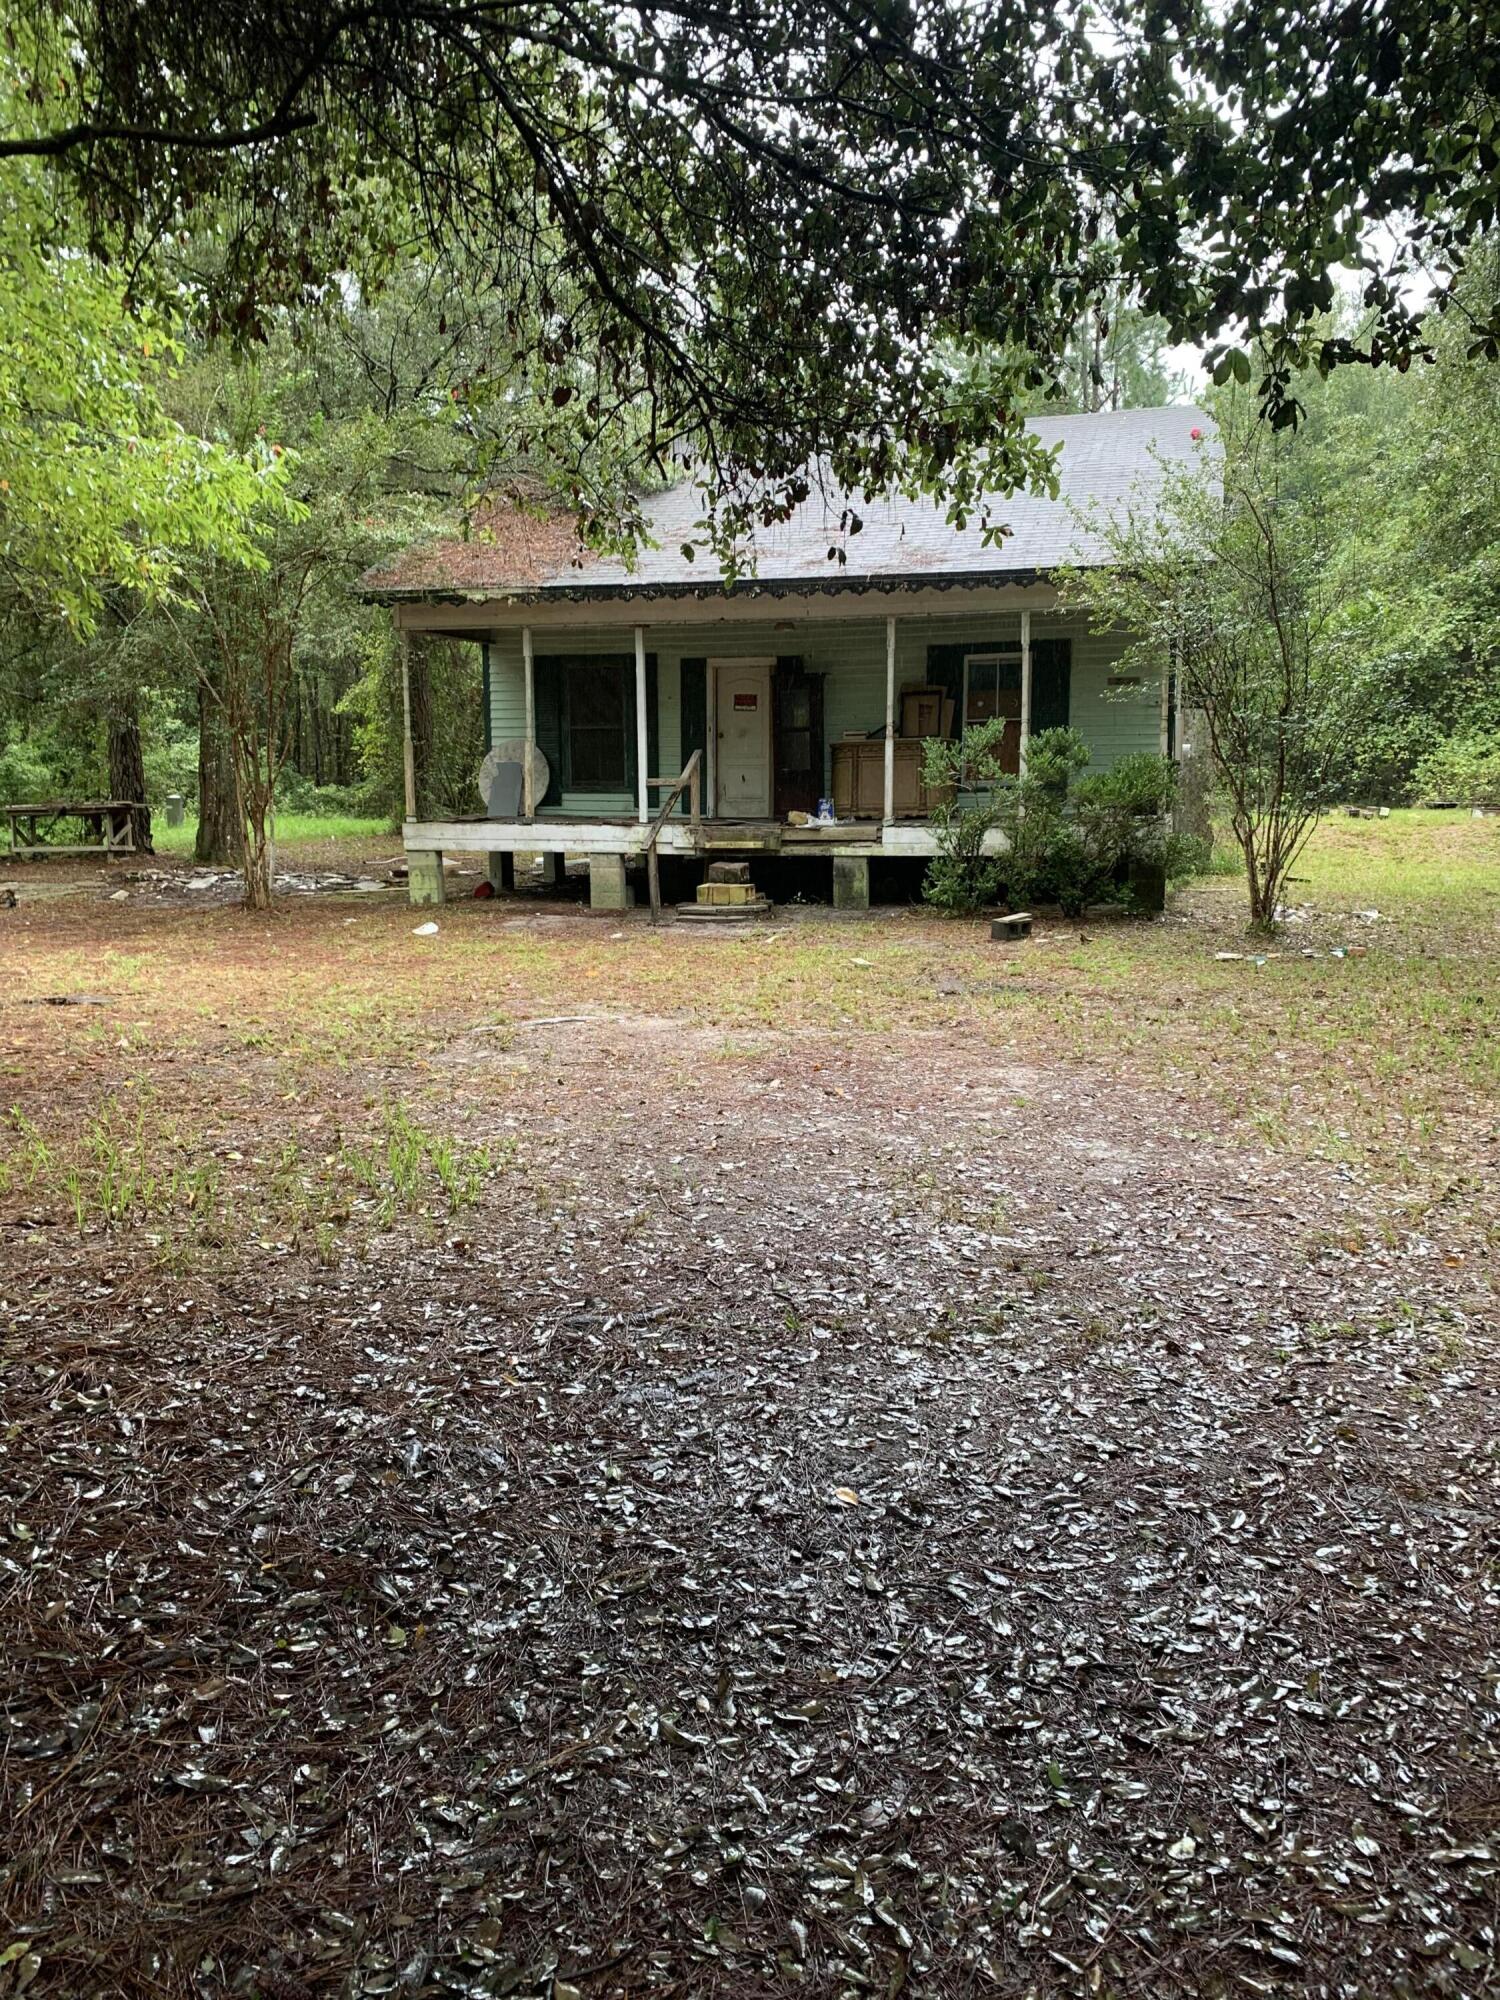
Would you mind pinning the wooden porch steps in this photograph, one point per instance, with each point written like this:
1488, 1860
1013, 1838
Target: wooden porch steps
728, 892
740, 837
724, 913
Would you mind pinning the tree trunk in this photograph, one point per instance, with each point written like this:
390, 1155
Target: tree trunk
219, 842
255, 798
1192, 812
421, 721
259, 862
1261, 880
127, 770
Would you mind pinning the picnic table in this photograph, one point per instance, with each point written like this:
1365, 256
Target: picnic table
105, 822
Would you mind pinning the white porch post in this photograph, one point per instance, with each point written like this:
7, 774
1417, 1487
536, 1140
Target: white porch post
889, 812
1025, 685
528, 675
408, 754
642, 734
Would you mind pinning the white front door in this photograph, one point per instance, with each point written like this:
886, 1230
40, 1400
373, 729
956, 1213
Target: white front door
743, 739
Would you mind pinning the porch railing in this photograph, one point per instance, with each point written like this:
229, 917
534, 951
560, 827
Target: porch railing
689, 780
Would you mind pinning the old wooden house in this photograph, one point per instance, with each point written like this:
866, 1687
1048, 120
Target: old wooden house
646, 706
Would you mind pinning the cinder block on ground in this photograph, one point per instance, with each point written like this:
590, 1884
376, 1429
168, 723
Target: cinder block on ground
608, 889
424, 877
851, 882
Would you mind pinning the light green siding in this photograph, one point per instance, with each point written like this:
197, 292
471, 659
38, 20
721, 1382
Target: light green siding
1114, 722
507, 688
595, 805
851, 658
668, 719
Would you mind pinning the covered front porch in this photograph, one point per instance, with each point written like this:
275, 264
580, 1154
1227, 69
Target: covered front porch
697, 737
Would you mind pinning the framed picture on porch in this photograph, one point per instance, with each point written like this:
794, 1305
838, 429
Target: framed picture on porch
922, 711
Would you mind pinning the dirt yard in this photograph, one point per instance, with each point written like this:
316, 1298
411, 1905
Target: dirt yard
564, 1460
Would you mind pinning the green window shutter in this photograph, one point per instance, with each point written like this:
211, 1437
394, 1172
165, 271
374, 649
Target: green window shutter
1051, 683
547, 672
653, 729
489, 720
945, 669
694, 716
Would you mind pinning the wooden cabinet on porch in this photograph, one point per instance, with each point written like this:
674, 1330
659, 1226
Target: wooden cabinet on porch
859, 779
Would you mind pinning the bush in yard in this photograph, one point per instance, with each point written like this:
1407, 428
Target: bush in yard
298, 794
967, 784
28, 767
1044, 856
1078, 837
1070, 838
1465, 769
1122, 823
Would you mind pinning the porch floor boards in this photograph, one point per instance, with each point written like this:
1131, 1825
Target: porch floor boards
844, 828
679, 835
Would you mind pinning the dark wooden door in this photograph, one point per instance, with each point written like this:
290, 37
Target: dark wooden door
798, 739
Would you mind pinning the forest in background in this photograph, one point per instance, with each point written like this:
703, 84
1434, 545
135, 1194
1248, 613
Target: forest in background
392, 426
371, 416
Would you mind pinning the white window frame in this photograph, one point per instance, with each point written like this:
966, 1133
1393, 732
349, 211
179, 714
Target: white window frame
991, 656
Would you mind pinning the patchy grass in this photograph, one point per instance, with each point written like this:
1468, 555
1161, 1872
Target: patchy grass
1384, 1053
1417, 862
303, 837
134, 1164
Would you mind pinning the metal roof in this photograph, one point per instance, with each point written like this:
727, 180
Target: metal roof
1105, 460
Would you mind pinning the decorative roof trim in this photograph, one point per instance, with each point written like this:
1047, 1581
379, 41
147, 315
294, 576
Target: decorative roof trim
751, 587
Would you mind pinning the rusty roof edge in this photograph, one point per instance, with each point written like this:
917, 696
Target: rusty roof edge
603, 593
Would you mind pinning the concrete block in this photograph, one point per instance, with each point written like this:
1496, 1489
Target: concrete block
851, 882
1148, 885
608, 889
501, 869
424, 876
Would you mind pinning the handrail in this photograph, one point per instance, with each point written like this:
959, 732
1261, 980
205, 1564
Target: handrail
687, 780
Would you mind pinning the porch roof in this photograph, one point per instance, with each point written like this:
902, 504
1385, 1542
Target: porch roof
1108, 459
